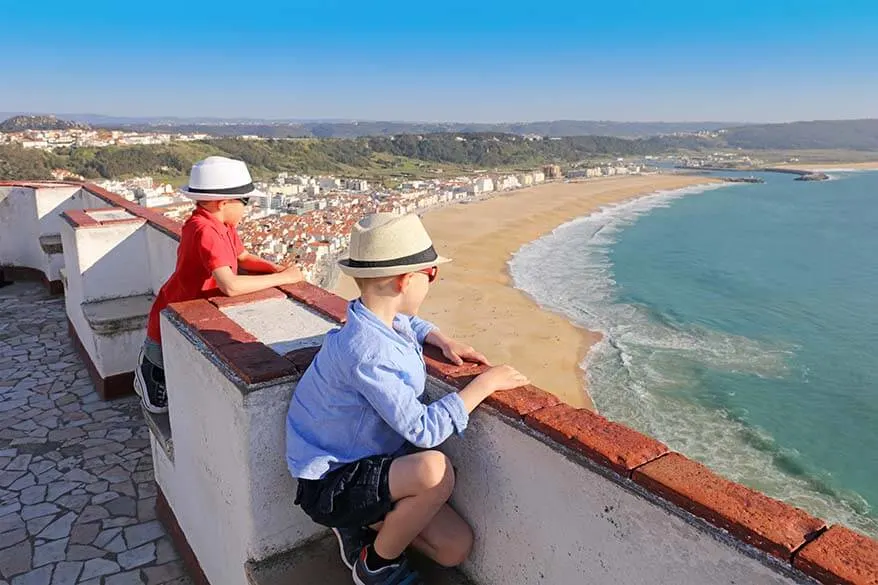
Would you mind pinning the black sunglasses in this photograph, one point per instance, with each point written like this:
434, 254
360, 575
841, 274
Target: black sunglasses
244, 200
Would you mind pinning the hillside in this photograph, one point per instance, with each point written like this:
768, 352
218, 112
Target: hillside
22, 123
375, 158
357, 129
821, 134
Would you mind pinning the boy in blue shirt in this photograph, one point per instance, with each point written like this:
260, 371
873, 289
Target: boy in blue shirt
359, 439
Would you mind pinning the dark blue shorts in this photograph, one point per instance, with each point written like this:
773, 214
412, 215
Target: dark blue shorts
354, 495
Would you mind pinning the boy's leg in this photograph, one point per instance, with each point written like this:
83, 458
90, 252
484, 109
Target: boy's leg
149, 378
420, 484
447, 539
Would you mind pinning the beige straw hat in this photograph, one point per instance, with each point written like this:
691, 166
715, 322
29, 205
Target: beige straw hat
383, 244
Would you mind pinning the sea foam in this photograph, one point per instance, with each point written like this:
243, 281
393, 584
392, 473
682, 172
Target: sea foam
635, 373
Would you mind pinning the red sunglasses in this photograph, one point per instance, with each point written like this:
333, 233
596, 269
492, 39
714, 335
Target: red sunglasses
431, 273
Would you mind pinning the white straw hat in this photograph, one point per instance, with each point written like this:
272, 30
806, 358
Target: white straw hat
383, 244
217, 177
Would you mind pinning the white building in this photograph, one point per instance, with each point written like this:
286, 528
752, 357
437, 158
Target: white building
286, 189
357, 185
329, 183
508, 182
482, 185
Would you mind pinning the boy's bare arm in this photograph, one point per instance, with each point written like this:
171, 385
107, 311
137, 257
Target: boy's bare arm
256, 265
234, 285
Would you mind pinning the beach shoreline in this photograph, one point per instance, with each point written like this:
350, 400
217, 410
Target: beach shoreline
475, 299
832, 166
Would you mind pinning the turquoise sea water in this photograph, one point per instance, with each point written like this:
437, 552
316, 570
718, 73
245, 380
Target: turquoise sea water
741, 328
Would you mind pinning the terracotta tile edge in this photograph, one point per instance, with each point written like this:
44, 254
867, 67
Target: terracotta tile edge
262, 295
134, 219
519, 402
78, 218
164, 224
828, 557
169, 227
727, 515
250, 359
604, 442
38, 184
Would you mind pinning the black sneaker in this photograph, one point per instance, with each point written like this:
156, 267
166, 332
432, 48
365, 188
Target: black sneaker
351, 541
149, 383
397, 574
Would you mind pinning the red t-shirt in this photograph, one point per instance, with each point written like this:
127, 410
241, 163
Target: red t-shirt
206, 244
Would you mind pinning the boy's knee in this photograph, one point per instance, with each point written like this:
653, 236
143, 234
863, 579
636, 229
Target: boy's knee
456, 550
436, 473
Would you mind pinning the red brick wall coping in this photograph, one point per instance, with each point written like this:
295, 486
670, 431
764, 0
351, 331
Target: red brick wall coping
836, 555
83, 218
250, 359
164, 224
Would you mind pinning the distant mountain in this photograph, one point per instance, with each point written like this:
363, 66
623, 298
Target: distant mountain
21, 123
356, 129
348, 128
817, 135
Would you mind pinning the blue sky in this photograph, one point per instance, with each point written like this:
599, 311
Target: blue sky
737, 60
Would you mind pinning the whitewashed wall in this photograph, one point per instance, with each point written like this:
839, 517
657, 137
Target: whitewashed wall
540, 514
106, 262
19, 229
51, 202
161, 256
27, 213
227, 485
543, 516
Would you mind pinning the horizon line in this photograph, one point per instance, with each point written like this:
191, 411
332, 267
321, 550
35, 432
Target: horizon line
249, 119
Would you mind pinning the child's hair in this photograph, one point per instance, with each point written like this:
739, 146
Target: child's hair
211, 204
365, 282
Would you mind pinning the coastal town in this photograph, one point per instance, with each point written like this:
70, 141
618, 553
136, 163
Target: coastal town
84, 137
305, 220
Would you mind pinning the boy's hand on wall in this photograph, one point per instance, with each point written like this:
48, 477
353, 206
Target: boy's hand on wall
459, 352
501, 378
292, 275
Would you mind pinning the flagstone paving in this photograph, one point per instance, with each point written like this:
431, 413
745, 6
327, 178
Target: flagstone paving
77, 496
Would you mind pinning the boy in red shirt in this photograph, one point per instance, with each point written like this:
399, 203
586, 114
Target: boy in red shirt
208, 259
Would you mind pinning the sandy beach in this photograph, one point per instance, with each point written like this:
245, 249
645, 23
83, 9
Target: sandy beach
838, 166
474, 299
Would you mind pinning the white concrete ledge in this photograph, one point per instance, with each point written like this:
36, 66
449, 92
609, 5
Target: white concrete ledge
112, 316
51, 244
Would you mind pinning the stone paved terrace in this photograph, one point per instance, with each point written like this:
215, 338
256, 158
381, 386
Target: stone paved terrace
77, 493
77, 496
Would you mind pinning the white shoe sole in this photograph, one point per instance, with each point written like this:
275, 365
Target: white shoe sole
341, 548
138, 376
140, 389
356, 579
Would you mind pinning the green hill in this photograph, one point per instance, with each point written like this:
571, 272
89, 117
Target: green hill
22, 123
376, 158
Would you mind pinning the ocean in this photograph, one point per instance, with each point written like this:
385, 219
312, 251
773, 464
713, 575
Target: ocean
740, 327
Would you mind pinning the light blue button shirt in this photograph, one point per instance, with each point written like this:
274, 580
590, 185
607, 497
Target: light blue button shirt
362, 396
